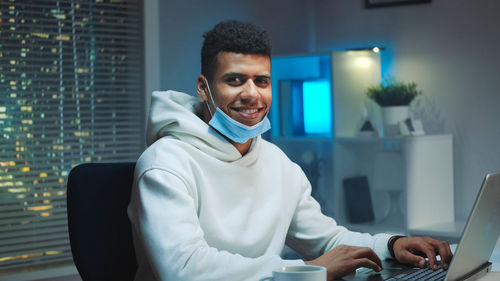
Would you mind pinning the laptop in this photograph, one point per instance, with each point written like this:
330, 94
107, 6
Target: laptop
476, 245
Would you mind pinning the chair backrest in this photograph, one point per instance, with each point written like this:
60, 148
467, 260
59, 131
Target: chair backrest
99, 229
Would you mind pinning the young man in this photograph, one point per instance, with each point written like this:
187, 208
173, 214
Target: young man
212, 200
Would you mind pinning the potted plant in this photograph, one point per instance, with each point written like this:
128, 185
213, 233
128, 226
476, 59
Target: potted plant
394, 98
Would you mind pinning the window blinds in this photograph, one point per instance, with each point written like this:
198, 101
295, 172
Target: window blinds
71, 91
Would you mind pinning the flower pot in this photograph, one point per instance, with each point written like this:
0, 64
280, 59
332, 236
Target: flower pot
391, 116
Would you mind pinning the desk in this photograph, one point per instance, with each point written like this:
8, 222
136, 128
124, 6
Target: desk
495, 260
491, 276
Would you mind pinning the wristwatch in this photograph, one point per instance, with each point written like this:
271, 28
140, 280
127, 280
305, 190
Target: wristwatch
390, 244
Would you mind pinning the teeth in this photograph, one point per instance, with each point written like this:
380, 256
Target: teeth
249, 111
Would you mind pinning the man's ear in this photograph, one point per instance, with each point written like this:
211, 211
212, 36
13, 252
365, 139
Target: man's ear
201, 88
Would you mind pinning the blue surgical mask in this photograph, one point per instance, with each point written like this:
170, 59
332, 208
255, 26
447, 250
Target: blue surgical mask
233, 129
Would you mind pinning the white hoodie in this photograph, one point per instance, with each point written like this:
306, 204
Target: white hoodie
201, 211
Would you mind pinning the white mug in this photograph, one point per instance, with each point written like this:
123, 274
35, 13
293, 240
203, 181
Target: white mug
298, 273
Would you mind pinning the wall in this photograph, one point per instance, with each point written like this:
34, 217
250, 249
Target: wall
182, 24
449, 48
151, 52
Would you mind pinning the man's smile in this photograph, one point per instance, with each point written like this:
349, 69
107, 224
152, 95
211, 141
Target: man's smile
248, 113
249, 110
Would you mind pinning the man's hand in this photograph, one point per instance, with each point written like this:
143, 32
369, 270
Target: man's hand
413, 250
343, 260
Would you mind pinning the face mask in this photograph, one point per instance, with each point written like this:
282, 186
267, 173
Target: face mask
233, 129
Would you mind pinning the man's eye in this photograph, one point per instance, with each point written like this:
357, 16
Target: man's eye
234, 80
262, 81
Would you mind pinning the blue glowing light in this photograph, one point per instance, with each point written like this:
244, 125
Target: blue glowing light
317, 107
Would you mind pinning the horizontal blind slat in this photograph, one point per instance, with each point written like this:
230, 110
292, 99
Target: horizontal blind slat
20, 243
25, 227
31, 232
43, 246
60, 215
40, 257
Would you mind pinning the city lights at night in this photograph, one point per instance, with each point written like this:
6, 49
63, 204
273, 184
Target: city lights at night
71, 91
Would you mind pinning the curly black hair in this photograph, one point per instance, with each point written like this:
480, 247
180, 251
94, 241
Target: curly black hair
232, 36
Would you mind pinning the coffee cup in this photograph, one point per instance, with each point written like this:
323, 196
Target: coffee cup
298, 273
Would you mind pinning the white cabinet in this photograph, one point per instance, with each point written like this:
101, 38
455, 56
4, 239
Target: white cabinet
416, 171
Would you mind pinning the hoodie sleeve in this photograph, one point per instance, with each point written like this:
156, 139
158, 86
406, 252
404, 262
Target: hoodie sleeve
168, 236
311, 233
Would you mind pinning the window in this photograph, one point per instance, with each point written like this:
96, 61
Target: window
71, 91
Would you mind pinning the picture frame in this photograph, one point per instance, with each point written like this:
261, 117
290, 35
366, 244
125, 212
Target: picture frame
386, 3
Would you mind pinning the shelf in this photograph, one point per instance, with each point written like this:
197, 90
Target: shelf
354, 139
450, 229
375, 227
303, 139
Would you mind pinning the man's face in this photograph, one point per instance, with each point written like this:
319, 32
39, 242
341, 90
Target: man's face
242, 86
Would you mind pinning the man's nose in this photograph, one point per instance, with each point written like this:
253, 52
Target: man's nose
250, 90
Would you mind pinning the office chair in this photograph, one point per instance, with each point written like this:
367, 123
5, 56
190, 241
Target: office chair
100, 232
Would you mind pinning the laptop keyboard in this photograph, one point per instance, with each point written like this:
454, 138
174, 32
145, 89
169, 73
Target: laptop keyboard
419, 274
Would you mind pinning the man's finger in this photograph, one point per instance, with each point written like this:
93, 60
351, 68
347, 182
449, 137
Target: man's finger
431, 255
443, 248
366, 262
413, 259
369, 254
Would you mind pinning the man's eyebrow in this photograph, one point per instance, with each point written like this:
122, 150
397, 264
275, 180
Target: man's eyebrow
265, 76
240, 75
233, 74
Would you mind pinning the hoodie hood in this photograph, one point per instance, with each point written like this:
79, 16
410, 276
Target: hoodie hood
178, 115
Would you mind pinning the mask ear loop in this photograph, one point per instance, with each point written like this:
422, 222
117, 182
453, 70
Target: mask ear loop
210, 94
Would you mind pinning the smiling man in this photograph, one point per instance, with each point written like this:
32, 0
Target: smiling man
212, 200
243, 86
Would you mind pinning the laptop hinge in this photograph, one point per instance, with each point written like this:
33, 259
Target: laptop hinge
478, 273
